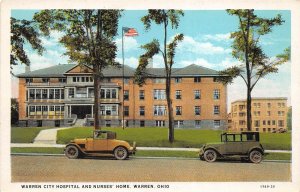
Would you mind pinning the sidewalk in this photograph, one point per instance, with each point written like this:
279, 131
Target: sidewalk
47, 136
138, 148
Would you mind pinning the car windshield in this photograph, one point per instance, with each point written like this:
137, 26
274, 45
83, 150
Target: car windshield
100, 135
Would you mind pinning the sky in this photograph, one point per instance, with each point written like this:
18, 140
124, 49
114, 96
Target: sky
206, 43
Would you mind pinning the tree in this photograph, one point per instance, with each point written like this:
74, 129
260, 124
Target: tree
161, 17
23, 31
255, 64
14, 111
88, 37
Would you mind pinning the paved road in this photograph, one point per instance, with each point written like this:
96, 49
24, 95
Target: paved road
61, 169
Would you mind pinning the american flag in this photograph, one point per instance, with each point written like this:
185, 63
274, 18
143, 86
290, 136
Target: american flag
130, 32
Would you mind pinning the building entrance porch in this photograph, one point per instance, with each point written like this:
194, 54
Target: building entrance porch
80, 110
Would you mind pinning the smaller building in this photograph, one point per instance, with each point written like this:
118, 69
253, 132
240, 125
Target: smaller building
268, 114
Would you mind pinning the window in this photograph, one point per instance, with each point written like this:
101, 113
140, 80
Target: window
273, 122
160, 110
197, 79
178, 94
281, 123
38, 110
113, 93
126, 80
217, 123
216, 79
57, 110
45, 110
264, 129
242, 122
159, 123
142, 123
264, 122
57, 93
102, 94
269, 113
269, 105
178, 110
257, 123
38, 93
44, 93
178, 124
107, 94
74, 79
71, 92
197, 110
126, 95
29, 80
62, 80
197, 94
178, 80
256, 113
269, 122
142, 94
217, 94
216, 110
280, 113
159, 94
142, 110
126, 110
45, 80
31, 93
198, 123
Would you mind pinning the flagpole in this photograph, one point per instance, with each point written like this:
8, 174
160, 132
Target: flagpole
123, 122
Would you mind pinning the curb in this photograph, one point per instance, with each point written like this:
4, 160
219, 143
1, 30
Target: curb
137, 157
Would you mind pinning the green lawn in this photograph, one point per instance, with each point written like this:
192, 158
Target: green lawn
24, 134
157, 137
141, 153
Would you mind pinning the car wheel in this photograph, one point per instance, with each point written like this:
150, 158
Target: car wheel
120, 153
255, 156
210, 155
72, 152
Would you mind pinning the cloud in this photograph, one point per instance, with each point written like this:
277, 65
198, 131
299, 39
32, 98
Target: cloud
217, 37
129, 44
191, 45
53, 40
225, 63
131, 61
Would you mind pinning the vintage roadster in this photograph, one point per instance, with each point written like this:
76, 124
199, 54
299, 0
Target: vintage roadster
245, 145
103, 142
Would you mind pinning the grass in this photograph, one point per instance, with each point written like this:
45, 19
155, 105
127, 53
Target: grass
157, 137
42, 150
24, 135
140, 153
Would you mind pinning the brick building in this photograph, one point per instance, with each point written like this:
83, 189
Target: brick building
268, 114
63, 94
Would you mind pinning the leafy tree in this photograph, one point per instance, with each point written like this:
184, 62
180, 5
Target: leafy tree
23, 31
88, 37
14, 111
161, 17
255, 64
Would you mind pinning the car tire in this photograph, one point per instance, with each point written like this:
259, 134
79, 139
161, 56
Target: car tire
72, 152
120, 153
255, 156
210, 155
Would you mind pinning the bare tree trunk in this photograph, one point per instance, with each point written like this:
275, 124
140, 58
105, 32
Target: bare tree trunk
249, 116
170, 108
96, 98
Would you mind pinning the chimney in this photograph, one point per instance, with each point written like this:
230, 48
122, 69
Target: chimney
150, 63
27, 68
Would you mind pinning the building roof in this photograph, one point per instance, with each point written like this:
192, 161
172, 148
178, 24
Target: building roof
62, 69
261, 98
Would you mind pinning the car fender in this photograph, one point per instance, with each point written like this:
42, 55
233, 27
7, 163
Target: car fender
121, 146
255, 148
213, 148
76, 145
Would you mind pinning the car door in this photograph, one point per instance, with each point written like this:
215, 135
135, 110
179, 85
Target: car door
233, 145
100, 142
